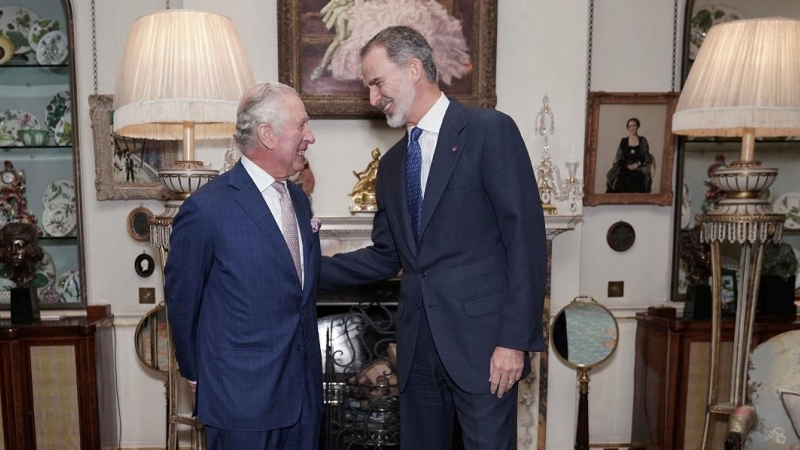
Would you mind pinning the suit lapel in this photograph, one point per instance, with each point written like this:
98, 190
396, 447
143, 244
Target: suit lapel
449, 148
251, 201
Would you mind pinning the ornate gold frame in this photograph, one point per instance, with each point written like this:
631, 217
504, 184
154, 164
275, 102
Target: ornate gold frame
295, 16
594, 123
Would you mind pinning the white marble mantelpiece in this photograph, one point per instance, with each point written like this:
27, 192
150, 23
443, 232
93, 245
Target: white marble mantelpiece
344, 234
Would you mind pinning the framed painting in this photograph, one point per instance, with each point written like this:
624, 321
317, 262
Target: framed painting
126, 168
629, 148
319, 42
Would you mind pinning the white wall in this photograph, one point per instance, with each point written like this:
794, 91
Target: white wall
541, 50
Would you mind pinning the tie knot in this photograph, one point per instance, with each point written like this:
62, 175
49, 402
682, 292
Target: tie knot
278, 185
415, 133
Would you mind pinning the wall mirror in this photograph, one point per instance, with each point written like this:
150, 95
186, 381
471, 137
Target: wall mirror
151, 339
584, 335
697, 157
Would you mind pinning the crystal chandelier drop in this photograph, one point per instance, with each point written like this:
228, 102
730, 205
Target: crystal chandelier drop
551, 185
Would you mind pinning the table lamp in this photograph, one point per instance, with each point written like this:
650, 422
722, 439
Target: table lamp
743, 83
182, 75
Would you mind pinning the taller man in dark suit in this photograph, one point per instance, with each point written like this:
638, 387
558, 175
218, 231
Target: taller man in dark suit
240, 286
459, 212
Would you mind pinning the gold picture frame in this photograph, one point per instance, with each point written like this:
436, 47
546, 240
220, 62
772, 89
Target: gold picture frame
607, 116
126, 168
309, 29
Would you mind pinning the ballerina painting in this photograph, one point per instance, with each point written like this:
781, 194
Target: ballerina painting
319, 51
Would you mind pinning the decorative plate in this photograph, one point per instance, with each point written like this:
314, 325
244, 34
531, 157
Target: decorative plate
52, 49
702, 21
620, 236
69, 287
789, 204
39, 28
63, 131
797, 274
59, 219
15, 23
58, 107
686, 208
13, 120
59, 192
6, 49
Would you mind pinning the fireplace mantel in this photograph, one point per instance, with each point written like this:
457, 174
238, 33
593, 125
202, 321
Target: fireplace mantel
358, 228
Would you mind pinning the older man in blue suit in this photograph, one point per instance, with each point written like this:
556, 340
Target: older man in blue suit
459, 212
240, 286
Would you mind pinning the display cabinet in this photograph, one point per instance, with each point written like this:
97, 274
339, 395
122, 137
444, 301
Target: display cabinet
40, 175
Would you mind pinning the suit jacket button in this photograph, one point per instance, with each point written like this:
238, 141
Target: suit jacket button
298, 347
422, 274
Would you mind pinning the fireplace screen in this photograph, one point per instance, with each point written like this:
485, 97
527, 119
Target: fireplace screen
360, 387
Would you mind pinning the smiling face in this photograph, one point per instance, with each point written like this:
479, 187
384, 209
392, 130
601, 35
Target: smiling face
287, 146
391, 88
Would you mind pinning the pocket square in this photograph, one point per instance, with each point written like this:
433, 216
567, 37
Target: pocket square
315, 225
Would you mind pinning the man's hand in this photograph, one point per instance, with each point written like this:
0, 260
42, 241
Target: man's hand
193, 385
505, 369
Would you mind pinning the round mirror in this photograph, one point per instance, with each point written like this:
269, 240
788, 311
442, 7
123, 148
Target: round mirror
151, 339
584, 333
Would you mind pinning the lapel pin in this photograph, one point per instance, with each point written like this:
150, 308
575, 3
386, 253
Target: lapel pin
454, 149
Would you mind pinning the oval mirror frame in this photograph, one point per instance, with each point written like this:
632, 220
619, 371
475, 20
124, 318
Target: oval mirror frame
581, 303
149, 338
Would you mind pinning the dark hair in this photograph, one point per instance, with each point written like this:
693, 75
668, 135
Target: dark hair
403, 44
26, 232
633, 119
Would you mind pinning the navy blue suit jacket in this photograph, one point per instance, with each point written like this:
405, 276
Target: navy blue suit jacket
242, 325
480, 264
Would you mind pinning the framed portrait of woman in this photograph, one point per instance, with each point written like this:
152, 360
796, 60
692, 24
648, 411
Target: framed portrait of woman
629, 148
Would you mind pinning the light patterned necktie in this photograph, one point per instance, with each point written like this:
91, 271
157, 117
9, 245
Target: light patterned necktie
413, 180
289, 226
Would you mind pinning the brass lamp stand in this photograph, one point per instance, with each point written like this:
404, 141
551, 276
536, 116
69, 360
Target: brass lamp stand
744, 219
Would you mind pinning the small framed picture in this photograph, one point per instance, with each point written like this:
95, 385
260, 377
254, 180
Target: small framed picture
138, 224
144, 265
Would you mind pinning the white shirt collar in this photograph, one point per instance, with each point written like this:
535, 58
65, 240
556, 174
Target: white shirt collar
432, 120
262, 179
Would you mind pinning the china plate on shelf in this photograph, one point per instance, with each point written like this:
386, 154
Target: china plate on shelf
63, 131
797, 274
69, 287
59, 191
13, 120
39, 28
58, 107
15, 23
789, 204
702, 21
53, 48
58, 219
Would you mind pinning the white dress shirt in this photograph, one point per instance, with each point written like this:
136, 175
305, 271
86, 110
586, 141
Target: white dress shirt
430, 123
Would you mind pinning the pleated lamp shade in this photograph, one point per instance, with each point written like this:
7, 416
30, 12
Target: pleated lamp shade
746, 76
180, 66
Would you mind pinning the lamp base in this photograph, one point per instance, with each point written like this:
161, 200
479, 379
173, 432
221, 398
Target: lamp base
185, 177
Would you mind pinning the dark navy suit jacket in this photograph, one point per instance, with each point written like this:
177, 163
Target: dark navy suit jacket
480, 264
242, 325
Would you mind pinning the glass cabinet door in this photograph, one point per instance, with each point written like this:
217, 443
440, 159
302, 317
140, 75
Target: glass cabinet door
39, 173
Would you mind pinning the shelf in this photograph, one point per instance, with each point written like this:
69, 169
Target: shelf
56, 239
37, 152
34, 75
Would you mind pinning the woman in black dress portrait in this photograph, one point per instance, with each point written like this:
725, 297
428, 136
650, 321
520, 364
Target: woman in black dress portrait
631, 171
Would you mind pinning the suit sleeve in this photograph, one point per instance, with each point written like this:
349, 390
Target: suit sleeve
185, 276
508, 178
377, 262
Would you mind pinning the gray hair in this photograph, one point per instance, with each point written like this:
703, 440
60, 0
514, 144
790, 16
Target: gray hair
262, 103
403, 44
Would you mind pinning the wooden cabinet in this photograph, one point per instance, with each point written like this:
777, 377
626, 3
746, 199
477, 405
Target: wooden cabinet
49, 381
42, 177
671, 377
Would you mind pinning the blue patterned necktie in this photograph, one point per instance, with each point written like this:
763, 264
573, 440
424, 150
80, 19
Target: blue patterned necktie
413, 180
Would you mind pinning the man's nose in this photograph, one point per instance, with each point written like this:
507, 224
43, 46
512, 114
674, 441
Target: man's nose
374, 97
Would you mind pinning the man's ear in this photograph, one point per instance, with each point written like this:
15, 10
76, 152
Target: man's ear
416, 70
265, 135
